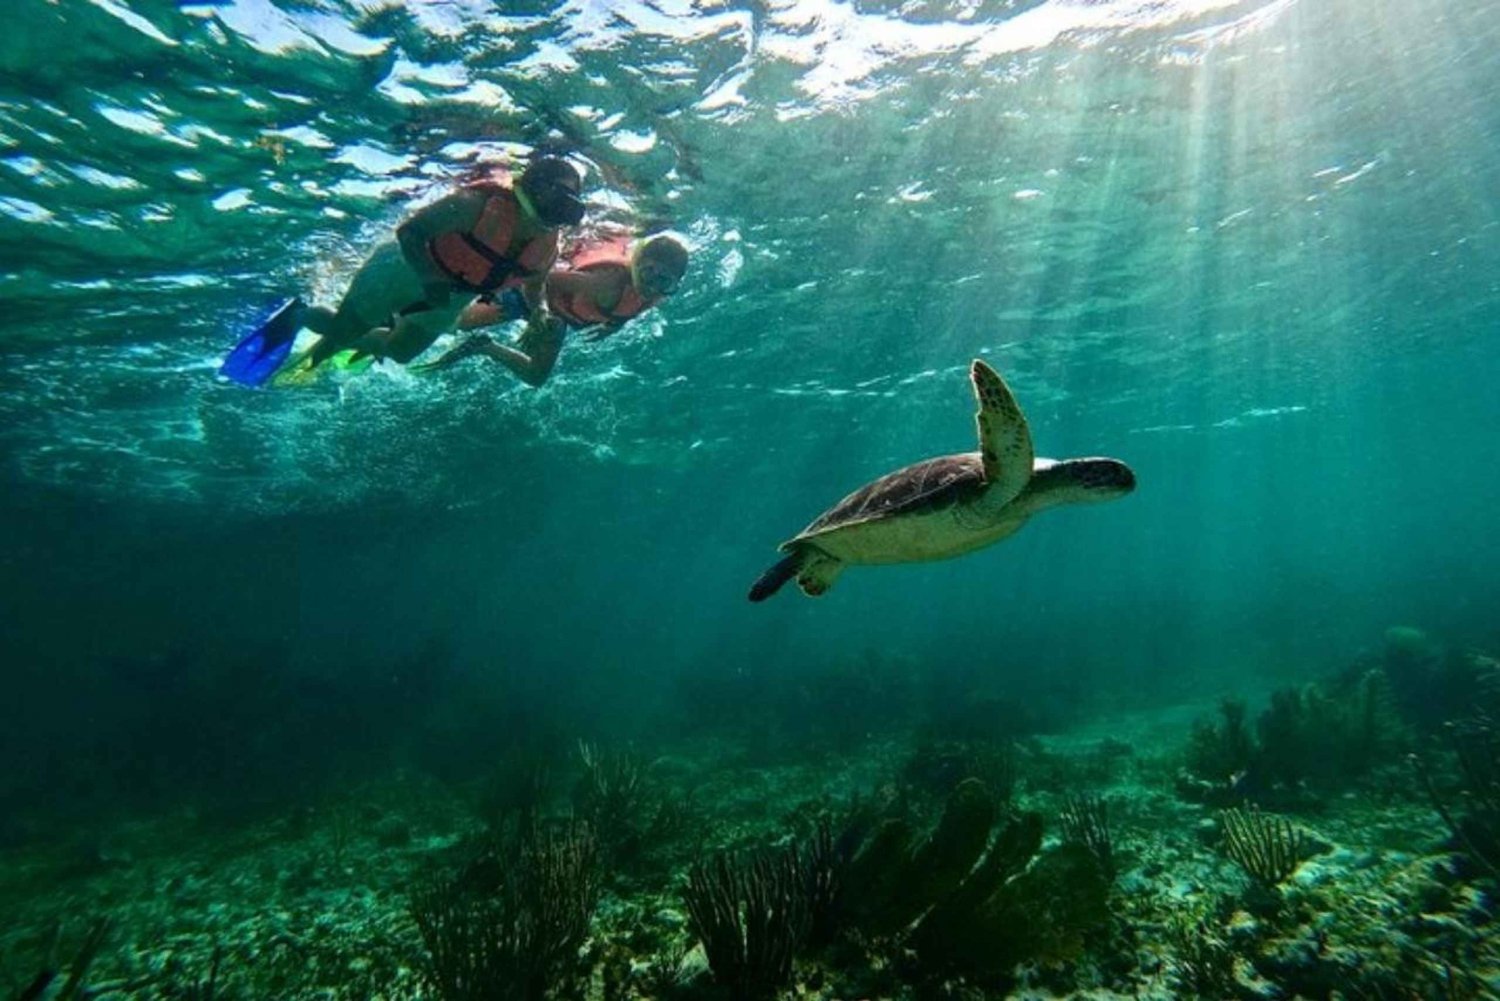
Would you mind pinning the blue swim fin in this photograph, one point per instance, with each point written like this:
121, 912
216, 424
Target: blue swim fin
262, 351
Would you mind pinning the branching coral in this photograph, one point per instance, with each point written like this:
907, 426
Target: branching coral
1085, 821
820, 864
508, 942
1268, 848
634, 820
1476, 744
751, 913
611, 795
1204, 961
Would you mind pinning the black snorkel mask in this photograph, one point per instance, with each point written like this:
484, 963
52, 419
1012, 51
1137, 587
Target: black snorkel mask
550, 185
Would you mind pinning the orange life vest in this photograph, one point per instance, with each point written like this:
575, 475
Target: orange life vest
578, 310
486, 258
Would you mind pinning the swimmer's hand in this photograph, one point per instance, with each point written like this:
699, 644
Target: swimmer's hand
469, 348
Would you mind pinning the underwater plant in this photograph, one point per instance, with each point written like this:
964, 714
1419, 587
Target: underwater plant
1268, 848
896, 874
1430, 684
74, 986
820, 864
966, 900
635, 821
610, 795
508, 936
1323, 737
751, 913
1085, 821
662, 976
1476, 746
1218, 752
950, 936
1204, 966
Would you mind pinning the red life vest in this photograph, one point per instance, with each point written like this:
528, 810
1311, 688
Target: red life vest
486, 258
578, 310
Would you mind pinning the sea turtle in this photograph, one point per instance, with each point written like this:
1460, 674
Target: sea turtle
946, 506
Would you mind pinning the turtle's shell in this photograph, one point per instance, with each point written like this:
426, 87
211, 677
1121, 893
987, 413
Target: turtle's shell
923, 486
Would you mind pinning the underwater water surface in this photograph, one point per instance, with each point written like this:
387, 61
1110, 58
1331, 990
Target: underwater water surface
277, 662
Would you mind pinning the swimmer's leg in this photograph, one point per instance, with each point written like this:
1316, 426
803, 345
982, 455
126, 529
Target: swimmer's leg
337, 331
401, 342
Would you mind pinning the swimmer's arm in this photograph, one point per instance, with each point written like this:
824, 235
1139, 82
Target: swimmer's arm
543, 339
456, 212
534, 291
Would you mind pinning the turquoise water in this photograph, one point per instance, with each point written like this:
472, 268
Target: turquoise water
1247, 247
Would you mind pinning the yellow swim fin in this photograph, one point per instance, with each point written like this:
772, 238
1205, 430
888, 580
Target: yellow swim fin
299, 371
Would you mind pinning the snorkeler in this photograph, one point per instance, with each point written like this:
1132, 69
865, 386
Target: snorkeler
603, 284
487, 236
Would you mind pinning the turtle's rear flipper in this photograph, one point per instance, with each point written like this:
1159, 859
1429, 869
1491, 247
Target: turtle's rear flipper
817, 574
770, 582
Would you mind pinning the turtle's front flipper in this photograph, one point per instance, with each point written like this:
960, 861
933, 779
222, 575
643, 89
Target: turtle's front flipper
1004, 436
770, 582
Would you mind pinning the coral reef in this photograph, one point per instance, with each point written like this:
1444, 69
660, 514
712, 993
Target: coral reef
909, 867
965, 902
1309, 741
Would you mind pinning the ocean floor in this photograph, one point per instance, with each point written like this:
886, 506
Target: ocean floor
315, 903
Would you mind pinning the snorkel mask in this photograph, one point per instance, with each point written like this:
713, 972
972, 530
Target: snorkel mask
551, 184
658, 265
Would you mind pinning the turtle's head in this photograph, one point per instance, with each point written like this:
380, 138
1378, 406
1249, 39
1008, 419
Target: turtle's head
1081, 481
1102, 479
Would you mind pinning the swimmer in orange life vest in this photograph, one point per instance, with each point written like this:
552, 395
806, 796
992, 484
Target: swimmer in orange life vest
489, 235
602, 284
